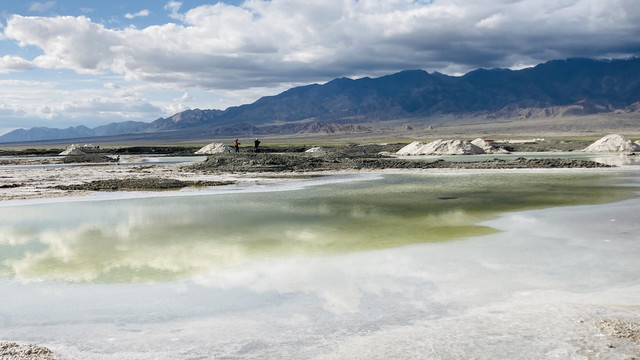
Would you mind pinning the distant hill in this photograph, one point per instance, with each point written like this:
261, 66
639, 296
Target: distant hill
555, 88
44, 133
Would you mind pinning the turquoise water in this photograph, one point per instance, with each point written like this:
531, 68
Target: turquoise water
165, 238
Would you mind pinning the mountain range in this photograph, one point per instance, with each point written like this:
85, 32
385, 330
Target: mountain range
556, 88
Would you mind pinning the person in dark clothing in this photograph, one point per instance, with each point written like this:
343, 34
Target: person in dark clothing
256, 143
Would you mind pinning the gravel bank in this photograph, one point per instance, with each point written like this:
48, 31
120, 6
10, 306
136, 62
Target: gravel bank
134, 184
620, 329
14, 351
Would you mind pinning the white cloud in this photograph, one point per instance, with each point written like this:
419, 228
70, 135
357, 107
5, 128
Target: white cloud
186, 97
178, 104
26, 101
105, 105
10, 63
41, 7
492, 21
68, 42
172, 109
141, 13
265, 44
174, 7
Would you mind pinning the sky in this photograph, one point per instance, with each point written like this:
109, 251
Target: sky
73, 62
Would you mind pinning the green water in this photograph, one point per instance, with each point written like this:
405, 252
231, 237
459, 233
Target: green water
165, 238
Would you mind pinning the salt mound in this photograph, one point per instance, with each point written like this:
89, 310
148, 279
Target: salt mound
316, 149
214, 148
613, 143
72, 151
411, 149
441, 147
487, 147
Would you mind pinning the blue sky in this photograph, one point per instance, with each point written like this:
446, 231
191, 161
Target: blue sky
71, 62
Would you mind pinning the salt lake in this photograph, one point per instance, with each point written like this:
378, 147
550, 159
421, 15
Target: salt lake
480, 265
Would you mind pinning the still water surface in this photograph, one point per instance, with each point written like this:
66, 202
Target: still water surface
156, 239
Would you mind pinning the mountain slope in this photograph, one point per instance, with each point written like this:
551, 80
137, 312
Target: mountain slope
568, 87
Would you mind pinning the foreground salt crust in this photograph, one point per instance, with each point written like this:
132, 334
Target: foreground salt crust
613, 143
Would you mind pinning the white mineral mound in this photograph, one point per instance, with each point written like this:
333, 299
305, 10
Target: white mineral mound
441, 147
317, 149
214, 148
72, 151
613, 143
411, 149
487, 147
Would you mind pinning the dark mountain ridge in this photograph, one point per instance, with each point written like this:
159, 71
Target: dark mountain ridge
589, 85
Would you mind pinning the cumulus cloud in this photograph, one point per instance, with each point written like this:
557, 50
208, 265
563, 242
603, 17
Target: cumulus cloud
141, 13
68, 42
172, 109
10, 63
269, 43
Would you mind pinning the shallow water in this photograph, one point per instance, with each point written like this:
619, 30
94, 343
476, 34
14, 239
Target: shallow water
615, 159
124, 161
359, 270
155, 239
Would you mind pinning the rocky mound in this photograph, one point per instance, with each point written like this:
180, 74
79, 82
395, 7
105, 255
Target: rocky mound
214, 148
441, 147
613, 143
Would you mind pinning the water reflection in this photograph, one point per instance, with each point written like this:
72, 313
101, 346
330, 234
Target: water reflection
155, 239
617, 159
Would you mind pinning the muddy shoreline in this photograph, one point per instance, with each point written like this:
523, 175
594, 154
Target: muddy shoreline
29, 174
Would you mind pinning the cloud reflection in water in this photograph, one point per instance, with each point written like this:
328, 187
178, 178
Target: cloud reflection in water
158, 239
